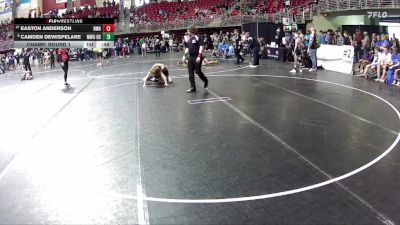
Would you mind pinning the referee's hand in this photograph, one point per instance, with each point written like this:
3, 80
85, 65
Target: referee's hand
198, 59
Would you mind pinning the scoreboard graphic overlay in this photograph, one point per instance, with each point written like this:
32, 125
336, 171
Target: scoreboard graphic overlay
64, 33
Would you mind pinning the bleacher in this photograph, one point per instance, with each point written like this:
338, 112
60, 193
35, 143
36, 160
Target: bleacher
180, 10
270, 6
101, 12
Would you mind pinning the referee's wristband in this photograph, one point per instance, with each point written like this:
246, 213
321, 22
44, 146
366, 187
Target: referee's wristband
200, 55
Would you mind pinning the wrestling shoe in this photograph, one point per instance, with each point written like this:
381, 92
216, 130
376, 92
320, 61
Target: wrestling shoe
191, 90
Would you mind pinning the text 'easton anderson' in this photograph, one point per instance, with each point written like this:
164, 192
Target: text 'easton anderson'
45, 28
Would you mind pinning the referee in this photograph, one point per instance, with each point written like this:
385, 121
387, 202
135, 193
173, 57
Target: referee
195, 49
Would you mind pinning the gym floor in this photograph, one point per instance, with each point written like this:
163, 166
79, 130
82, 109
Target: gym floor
260, 146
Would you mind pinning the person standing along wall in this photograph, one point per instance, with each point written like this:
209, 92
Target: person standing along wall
312, 49
255, 46
357, 45
366, 43
157, 48
238, 47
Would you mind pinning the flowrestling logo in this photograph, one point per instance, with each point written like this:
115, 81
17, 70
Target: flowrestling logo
376, 14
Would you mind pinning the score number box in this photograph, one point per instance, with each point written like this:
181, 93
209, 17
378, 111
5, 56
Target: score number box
108, 36
108, 27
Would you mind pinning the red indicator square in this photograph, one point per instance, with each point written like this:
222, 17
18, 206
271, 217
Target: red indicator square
108, 27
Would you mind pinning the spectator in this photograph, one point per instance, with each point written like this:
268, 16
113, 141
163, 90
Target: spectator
357, 45
395, 63
385, 41
255, 45
223, 48
144, 49
298, 53
157, 48
394, 42
366, 60
307, 38
378, 42
339, 39
369, 69
373, 40
238, 46
396, 69
383, 66
322, 37
346, 38
331, 38
231, 52
312, 50
366, 43
278, 37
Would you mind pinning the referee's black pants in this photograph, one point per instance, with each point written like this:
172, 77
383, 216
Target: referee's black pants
193, 67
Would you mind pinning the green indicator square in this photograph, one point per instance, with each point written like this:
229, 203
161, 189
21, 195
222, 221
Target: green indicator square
108, 36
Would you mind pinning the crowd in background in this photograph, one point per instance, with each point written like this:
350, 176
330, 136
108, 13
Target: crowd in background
6, 34
376, 56
218, 45
162, 12
6, 30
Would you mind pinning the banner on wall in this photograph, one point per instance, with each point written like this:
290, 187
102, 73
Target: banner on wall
5, 6
336, 58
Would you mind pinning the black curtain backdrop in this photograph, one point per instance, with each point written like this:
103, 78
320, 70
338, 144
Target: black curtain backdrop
265, 30
302, 27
